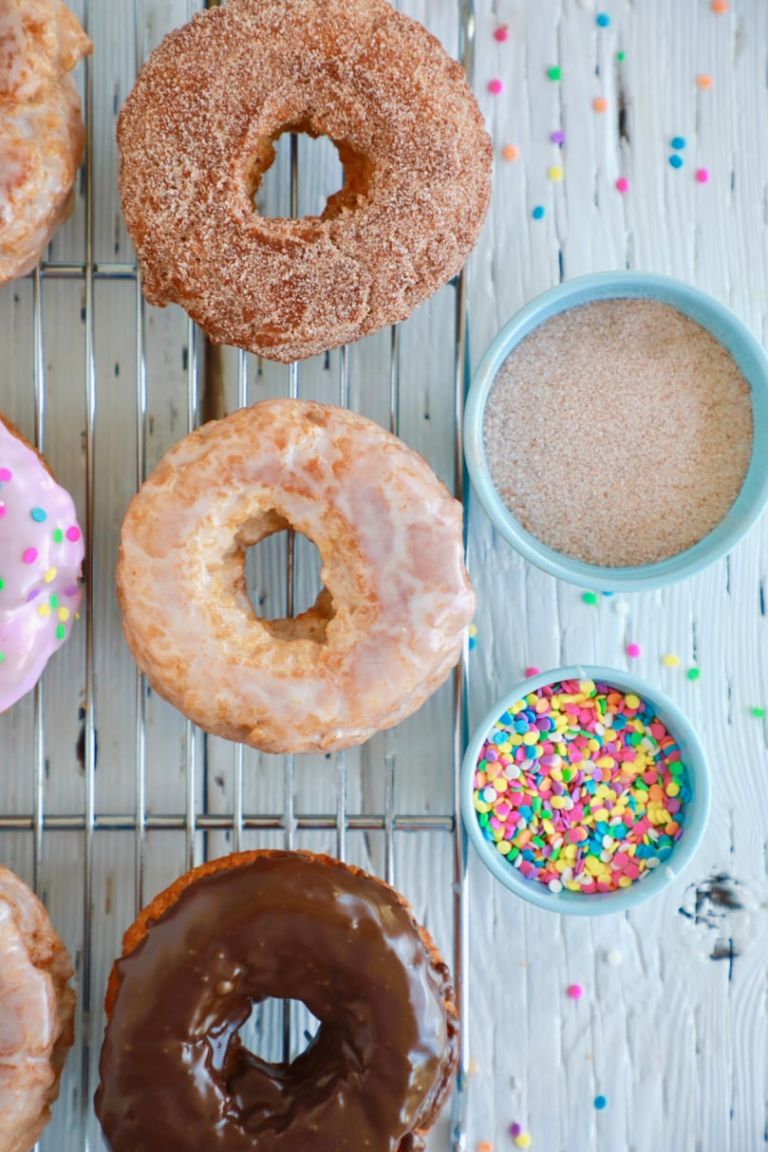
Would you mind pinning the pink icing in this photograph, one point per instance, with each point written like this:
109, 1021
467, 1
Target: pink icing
41, 554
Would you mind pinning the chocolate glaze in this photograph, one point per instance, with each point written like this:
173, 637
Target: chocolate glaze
174, 1075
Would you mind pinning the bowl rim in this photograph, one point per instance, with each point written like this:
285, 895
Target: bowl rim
700, 307
602, 903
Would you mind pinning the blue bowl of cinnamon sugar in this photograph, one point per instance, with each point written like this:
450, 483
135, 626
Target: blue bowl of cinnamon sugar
616, 431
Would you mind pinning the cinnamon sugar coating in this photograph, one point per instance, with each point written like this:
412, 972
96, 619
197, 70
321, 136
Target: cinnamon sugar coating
196, 135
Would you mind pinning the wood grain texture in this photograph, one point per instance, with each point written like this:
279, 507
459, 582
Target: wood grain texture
675, 1034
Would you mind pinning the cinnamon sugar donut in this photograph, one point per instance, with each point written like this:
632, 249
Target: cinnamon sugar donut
175, 1074
37, 1009
196, 136
41, 128
386, 628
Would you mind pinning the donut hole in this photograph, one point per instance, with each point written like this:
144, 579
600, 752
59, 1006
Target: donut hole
263, 1032
334, 175
266, 585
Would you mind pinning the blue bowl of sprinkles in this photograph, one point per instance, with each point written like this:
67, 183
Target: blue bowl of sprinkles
666, 863
726, 328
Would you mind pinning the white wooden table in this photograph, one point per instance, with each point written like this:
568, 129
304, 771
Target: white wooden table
673, 1030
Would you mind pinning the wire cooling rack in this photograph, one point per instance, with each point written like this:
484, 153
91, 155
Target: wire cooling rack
107, 794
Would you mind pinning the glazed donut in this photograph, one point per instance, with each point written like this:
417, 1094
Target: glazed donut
174, 1073
385, 630
37, 1009
196, 135
41, 127
41, 554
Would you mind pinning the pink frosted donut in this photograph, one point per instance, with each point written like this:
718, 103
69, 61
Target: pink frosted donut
41, 554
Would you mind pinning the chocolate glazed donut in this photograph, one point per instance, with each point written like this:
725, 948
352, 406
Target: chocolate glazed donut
174, 1073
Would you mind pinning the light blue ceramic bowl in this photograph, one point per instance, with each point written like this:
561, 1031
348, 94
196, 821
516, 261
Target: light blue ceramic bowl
725, 327
696, 809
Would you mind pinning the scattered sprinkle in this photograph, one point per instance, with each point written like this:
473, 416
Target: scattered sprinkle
39, 515
538, 212
675, 161
58, 536
574, 991
600, 1103
702, 175
472, 632
558, 136
73, 534
600, 104
633, 651
501, 33
581, 784
693, 673
2, 657
590, 598
704, 81
555, 73
523, 1140
678, 143
602, 20
473, 1068
495, 86
621, 57
621, 608
514, 1130
719, 7
670, 660
484, 1146
622, 185
532, 670
29, 555
758, 712
613, 957
555, 173
510, 153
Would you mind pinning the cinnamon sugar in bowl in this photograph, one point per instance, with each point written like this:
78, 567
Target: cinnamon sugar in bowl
616, 431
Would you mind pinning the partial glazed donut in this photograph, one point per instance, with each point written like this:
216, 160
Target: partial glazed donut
37, 1009
175, 1076
41, 554
196, 136
41, 128
384, 632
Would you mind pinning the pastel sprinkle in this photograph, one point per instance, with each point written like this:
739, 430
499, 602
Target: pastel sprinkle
38, 515
622, 185
495, 86
73, 534
621, 57
523, 1140
702, 175
600, 104
538, 212
719, 7
621, 608
758, 712
61, 631
58, 536
613, 957
44, 610
555, 173
555, 73
675, 161
590, 598
501, 34
532, 670
472, 633
514, 1130
580, 786
5, 475
29, 555
3, 509
50, 575
670, 660
678, 143
72, 590
574, 991
602, 20
2, 583
600, 1103
63, 614
510, 153
2, 657
484, 1146
557, 137
633, 651
693, 673
704, 81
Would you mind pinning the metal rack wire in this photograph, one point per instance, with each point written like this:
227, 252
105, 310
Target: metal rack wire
197, 821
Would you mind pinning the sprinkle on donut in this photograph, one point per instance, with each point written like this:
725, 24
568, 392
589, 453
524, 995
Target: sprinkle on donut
41, 554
